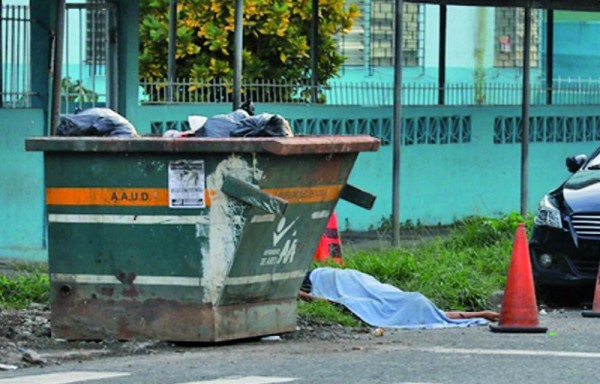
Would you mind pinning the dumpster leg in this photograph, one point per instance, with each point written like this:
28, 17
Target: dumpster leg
253, 196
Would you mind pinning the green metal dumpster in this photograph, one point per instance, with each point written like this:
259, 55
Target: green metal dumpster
187, 239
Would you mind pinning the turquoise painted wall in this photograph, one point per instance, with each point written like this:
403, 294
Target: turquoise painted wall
22, 221
444, 182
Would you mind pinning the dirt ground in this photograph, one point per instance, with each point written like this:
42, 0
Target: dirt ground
25, 340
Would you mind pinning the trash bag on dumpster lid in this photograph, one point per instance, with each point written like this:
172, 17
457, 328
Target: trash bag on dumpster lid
221, 125
239, 124
95, 122
263, 125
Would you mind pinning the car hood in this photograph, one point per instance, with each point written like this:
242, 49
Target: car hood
581, 192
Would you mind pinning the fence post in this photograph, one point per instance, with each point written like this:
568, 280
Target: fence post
549, 54
1, 58
397, 124
238, 47
57, 64
172, 70
314, 50
525, 114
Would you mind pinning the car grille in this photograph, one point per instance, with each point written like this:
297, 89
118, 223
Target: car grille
587, 228
586, 224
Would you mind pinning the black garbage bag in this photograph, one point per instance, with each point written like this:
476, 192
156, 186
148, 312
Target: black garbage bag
221, 125
96, 122
263, 125
248, 106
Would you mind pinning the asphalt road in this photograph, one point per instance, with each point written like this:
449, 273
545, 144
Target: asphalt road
568, 353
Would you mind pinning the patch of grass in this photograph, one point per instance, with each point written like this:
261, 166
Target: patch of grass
29, 267
326, 312
22, 290
459, 271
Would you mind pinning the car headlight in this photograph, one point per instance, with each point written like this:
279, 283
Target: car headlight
547, 214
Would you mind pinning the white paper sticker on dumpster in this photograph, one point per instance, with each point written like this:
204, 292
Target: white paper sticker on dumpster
186, 184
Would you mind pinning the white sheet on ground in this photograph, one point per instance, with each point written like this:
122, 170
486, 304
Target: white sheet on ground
381, 305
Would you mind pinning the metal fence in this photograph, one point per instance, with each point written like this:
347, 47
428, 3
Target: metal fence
564, 91
15, 59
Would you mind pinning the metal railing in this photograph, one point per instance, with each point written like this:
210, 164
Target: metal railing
15, 59
564, 91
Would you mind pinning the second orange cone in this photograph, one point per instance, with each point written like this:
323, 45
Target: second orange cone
519, 311
330, 246
595, 312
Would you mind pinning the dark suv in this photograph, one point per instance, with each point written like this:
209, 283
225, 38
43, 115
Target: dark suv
565, 241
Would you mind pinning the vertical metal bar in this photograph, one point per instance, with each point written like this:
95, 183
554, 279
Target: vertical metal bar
1, 57
67, 96
397, 124
238, 46
549, 55
442, 56
525, 113
94, 63
114, 40
314, 51
57, 63
6, 68
27, 57
14, 57
20, 52
16, 48
172, 69
82, 33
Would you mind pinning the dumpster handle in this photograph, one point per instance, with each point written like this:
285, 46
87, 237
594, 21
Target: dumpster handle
253, 196
357, 196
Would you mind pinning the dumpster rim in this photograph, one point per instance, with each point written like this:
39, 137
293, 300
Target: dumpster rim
299, 145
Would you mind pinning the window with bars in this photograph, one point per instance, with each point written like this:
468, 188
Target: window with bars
382, 33
96, 33
373, 33
509, 35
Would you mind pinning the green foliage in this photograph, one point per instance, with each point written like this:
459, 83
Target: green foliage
476, 231
76, 92
459, 271
20, 291
276, 41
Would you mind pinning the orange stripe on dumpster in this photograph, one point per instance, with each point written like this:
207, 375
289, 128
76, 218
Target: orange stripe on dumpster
108, 196
159, 197
307, 194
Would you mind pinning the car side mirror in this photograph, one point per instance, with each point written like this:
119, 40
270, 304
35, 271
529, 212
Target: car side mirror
575, 162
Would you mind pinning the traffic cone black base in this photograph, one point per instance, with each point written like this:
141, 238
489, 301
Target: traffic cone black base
590, 314
503, 329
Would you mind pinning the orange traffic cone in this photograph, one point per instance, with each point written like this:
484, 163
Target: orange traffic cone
595, 312
519, 311
330, 246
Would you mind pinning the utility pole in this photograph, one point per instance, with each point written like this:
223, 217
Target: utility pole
397, 124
